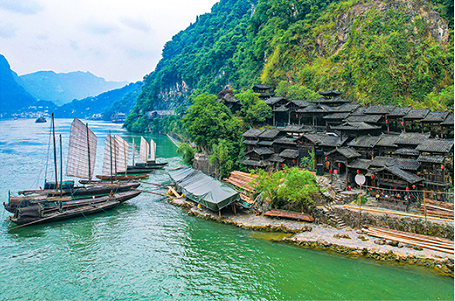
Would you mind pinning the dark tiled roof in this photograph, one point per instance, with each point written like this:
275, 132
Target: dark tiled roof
386, 140
364, 141
315, 109
301, 103
412, 138
346, 152
282, 108
230, 98
404, 175
448, 121
360, 164
265, 143
285, 140
276, 158
330, 93
250, 142
334, 100
324, 140
359, 111
269, 134
407, 152
417, 114
364, 118
289, 153
292, 129
254, 163
355, 126
260, 151
335, 116
253, 133
346, 108
407, 164
430, 159
380, 109
273, 100
436, 146
381, 161
399, 112
261, 87
436, 117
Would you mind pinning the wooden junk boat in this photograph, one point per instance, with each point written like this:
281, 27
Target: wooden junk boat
203, 189
43, 206
147, 154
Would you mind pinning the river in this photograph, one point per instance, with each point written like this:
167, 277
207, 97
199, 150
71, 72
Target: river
150, 250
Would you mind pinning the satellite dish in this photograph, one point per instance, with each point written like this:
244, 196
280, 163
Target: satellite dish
360, 179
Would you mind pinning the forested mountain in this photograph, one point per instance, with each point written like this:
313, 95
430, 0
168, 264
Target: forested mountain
376, 51
87, 107
13, 97
62, 88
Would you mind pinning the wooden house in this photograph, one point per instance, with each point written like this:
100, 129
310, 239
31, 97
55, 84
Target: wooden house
432, 123
411, 140
447, 127
232, 103
395, 118
251, 138
313, 115
340, 158
293, 106
386, 145
354, 129
257, 158
263, 91
331, 98
267, 138
411, 120
365, 145
279, 109
320, 143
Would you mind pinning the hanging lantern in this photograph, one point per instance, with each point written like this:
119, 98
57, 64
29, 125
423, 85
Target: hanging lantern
369, 188
442, 166
413, 187
282, 165
407, 188
402, 123
297, 115
300, 141
387, 121
293, 161
330, 171
372, 177
358, 171
327, 159
339, 164
395, 187
336, 171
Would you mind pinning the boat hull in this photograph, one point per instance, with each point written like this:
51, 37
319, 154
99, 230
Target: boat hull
122, 178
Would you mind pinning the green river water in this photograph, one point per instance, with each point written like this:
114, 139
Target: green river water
147, 249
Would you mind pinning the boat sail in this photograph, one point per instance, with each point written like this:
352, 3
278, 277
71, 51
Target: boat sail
152, 151
144, 150
82, 151
115, 155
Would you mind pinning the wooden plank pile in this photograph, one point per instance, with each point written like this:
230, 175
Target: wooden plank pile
241, 180
424, 241
437, 209
289, 215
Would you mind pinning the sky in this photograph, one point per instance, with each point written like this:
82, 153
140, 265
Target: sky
119, 40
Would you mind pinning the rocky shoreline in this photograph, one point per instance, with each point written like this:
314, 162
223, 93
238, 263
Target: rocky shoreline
347, 241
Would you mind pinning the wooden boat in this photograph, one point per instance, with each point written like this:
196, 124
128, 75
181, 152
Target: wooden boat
58, 210
30, 199
147, 154
289, 215
122, 178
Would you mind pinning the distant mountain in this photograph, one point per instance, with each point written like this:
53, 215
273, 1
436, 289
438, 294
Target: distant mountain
91, 107
62, 88
13, 97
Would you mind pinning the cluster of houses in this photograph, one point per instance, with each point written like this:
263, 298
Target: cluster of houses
390, 147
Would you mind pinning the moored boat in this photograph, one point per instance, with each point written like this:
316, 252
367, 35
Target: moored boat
40, 120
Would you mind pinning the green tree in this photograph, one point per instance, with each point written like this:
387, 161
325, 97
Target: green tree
187, 153
253, 109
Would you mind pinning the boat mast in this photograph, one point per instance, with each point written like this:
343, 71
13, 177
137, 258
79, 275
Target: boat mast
55, 151
133, 151
61, 167
110, 150
88, 152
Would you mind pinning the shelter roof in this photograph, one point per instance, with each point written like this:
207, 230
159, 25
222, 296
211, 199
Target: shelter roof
346, 152
261, 87
281, 108
274, 100
417, 114
355, 126
315, 109
436, 146
386, 140
230, 98
276, 158
405, 164
364, 141
407, 152
364, 118
412, 138
253, 133
269, 134
324, 139
289, 153
360, 164
404, 175
448, 121
346, 108
285, 140
359, 111
380, 109
336, 116
250, 142
399, 111
301, 103
260, 151
265, 143
430, 159
436, 117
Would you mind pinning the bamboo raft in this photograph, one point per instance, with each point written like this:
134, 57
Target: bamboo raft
424, 241
289, 215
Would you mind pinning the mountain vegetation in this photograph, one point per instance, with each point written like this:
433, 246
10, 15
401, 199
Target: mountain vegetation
62, 88
13, 97
375, 51
90, 106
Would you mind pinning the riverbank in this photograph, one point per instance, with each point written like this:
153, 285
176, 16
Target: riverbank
346, 241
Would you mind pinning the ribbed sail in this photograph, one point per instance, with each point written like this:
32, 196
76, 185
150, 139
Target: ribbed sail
122, 154
80, 150
110, 155
144, 150
152, 150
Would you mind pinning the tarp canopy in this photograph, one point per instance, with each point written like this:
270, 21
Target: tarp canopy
203, 189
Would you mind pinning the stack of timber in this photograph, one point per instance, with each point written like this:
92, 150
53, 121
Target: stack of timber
424, 241
437, 209
289, 215
243, 181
